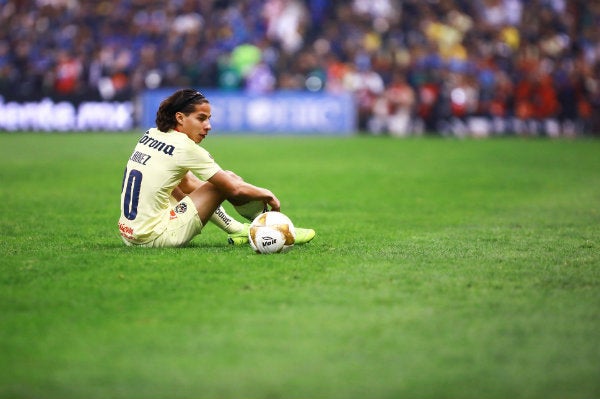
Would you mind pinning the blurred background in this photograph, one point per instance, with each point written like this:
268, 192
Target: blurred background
383, 67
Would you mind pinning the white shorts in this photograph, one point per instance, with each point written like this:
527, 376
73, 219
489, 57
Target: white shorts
178, 229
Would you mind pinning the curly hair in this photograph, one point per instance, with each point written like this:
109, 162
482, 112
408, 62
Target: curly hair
183, 101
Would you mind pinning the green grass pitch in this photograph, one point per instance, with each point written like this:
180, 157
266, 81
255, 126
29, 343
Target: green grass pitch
442, 268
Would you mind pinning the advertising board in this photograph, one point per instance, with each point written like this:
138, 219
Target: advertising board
276, 113
49, 115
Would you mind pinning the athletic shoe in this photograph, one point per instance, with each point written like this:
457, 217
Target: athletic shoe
241, 237
304, 235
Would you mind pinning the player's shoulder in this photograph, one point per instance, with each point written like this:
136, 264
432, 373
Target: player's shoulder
202, 151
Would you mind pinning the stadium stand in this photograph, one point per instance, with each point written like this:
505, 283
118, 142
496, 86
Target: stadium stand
523, 66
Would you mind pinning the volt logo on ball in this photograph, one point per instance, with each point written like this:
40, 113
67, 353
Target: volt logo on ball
268, 241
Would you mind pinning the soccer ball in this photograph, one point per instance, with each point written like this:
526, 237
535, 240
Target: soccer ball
271, 232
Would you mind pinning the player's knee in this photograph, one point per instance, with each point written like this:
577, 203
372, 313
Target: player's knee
207, 192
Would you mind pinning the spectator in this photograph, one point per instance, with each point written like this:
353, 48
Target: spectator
461, 58
394, 111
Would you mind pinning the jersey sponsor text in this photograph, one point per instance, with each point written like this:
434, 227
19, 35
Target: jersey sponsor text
157, 145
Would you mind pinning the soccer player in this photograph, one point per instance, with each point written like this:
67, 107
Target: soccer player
172, 187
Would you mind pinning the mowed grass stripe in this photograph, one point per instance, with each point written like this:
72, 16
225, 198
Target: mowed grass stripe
441, 268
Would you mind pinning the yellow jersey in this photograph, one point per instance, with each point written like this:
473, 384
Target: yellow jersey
158, 163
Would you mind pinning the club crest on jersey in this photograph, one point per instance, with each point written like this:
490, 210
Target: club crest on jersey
181, 208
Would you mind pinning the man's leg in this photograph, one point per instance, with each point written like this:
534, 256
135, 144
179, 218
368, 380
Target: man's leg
237, 232
225, 222
206, 198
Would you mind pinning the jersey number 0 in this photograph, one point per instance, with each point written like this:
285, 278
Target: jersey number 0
132, 192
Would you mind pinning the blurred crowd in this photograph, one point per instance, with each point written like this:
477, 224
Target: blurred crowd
411, 64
